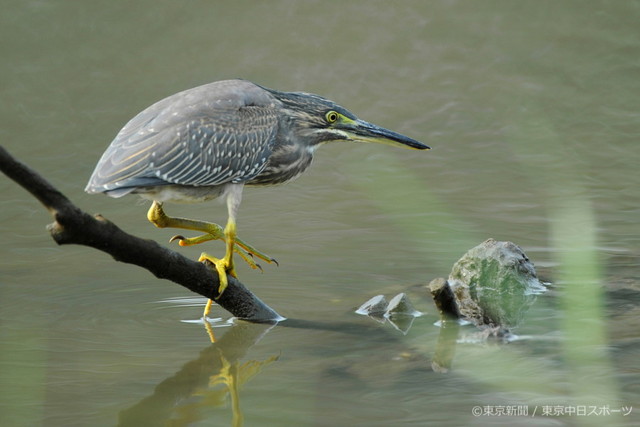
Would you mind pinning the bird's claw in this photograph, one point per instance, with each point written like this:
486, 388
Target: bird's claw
177, 237
268, 259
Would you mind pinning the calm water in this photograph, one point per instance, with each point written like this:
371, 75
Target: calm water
532, 112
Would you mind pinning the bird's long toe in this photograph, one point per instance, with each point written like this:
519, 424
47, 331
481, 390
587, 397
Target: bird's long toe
254, 252
224, 267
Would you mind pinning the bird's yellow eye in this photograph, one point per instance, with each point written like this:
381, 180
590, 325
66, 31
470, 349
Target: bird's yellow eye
332, 117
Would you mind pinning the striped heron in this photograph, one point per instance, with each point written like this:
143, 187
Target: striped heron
212, 140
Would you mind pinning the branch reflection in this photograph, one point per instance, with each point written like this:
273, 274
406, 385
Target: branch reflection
203, 383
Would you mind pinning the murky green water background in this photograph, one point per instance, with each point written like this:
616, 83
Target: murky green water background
532, 110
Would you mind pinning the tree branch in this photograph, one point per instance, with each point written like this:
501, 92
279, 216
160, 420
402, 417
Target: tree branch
74, 226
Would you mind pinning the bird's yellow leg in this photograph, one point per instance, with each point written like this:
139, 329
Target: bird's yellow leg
161, 220
207, 308
213, 231
224, 265
207, 325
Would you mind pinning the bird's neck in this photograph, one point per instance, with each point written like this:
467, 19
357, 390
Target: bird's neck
288, 160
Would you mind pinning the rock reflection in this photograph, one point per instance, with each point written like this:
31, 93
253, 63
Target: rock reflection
446, 346
399, 311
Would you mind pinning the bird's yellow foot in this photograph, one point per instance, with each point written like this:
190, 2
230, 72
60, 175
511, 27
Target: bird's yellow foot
224, 267
215, 232
212, 231
238, 248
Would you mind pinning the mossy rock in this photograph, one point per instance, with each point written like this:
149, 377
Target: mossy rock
494, 284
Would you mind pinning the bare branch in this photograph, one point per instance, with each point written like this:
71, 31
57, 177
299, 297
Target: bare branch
74, 226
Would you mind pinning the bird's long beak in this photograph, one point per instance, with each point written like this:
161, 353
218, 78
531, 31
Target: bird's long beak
359, 130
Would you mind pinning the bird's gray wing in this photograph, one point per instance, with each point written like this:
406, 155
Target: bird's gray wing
210, 135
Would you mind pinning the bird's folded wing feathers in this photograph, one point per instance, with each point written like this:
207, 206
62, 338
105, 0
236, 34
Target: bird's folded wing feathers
204, 136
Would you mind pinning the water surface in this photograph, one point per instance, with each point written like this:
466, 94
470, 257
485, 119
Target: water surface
532, 113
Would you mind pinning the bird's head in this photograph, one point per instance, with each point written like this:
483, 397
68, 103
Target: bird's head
314, 120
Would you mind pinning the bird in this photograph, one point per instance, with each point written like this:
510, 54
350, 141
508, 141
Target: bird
210, 141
